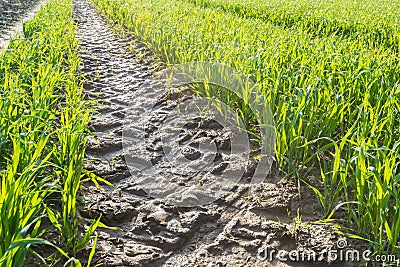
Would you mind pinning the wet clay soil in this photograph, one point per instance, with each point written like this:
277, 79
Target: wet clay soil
231, 231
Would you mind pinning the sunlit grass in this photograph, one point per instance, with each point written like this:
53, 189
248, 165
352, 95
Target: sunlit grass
376, 23
43, 119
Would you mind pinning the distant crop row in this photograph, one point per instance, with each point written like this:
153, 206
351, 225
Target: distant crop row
376, 23
335, 100
43, 119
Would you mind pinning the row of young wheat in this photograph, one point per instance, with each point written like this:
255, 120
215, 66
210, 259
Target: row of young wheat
43, 119
376, 23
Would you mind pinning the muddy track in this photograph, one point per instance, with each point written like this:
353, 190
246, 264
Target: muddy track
228, 232
12, 15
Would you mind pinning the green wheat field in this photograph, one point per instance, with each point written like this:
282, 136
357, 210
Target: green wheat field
330, 71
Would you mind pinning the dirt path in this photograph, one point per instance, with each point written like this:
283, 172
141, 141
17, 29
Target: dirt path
228, 232
12, 16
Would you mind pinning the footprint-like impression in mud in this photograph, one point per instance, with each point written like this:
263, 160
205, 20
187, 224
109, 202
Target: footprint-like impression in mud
184, 144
